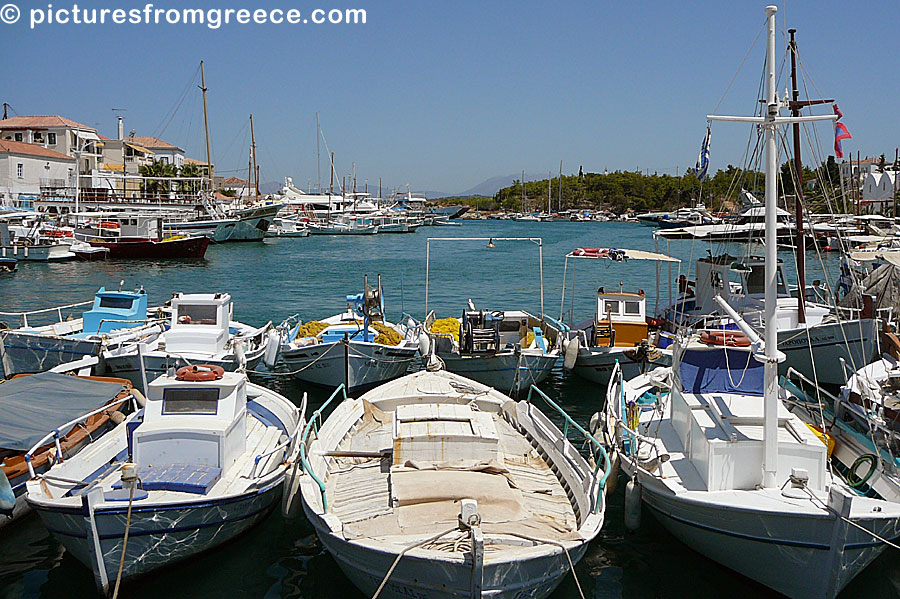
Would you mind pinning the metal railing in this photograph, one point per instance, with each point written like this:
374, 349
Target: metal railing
313, 426
24, 315
607, 467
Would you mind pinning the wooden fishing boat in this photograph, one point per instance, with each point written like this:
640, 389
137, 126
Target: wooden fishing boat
434, 485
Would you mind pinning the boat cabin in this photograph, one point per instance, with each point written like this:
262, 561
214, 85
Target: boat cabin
119, 226
191, 431
735, 279
115, 310
199, 324
621, 319
717, 415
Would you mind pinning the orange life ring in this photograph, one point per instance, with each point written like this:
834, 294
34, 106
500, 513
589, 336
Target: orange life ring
729, 338
200, 372
107, 224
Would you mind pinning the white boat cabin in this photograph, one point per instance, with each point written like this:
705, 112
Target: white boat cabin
717, 415
200, 323
191, 432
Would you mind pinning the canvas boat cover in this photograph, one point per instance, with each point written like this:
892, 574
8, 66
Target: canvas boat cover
721, 371
883, 283
32, 406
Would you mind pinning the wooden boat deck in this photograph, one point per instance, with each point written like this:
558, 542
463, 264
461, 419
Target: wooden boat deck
360, 494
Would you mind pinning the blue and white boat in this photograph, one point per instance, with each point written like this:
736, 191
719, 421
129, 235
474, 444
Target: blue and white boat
202, 462
115, 318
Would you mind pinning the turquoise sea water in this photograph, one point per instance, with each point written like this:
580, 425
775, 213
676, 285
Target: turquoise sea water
311, 276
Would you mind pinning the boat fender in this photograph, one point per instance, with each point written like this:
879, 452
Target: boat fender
424, 344
117, 417
632, 505
239, 355
594, 424
290, 496
7, 497
273, 347
571, 353
200, 372
139, 397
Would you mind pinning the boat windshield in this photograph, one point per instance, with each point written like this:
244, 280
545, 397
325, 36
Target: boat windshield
196, 314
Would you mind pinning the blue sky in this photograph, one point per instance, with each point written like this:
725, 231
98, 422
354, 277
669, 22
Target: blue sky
445, 95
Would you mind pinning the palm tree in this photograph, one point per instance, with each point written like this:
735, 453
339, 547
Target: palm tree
157, 170
191, 170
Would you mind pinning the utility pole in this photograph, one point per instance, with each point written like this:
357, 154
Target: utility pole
5, 110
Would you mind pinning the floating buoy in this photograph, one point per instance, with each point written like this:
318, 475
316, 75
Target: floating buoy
273, 347
632, 505
571, 353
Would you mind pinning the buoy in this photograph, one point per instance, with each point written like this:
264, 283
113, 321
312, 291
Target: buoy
632, 505
290, 496
424, 344
571, 353
273, 347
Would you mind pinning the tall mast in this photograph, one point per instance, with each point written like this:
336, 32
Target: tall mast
523, 193
206, 125
318, 159
770, 123
549, 191
253, 147
559, 187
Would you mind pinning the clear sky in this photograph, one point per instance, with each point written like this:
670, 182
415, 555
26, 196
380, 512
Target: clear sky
442, 95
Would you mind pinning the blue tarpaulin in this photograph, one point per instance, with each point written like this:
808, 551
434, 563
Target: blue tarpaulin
32, 406
712, 371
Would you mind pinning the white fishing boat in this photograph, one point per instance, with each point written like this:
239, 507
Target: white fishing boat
620, 332
351, 227
357, 348
720, 461
509, 350
200, 330
80, 408
204, 460
437, 486
115, 318
287, 227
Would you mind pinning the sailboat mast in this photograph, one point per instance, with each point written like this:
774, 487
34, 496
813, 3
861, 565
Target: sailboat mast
318, 157
206, 125
523, 193
798, 187
253, 147
770, 396
559, 187
549, 191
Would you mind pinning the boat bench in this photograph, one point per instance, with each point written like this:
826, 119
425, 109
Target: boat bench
181, 478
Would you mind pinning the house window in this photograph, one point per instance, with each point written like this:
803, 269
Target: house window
20, 170
51, 139
38, 137
18, 137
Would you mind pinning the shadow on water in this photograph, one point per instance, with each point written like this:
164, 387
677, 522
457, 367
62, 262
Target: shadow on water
271, 280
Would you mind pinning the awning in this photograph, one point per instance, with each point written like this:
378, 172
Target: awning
891, 256
139, 148
619, 254
89, 135
32, 406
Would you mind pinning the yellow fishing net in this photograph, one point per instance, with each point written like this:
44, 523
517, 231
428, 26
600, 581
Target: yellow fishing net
312, 328
446, 326
386, 335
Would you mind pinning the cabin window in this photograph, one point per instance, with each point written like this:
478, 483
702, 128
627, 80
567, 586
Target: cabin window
197, 314
633, 308
18, 137
51, 139
190, 401
509, 326
756, 281
119, 303
716, 279
612, 307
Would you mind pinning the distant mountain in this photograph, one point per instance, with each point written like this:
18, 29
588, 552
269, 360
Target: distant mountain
491, 186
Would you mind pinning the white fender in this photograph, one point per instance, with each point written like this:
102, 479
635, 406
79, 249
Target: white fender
571, 353
240, 356
632, 505
424, 344
273, 347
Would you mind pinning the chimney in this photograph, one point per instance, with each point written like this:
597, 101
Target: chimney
121, 129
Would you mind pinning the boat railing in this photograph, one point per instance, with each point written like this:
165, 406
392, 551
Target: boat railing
56, 435
569, 422
284, 445
616, 397
312, 426
24, 315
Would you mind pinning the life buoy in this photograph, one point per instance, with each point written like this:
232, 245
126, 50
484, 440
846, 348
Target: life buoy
107, 224
200, 372
729, 338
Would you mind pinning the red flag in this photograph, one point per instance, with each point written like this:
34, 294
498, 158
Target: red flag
840, 132
838, 112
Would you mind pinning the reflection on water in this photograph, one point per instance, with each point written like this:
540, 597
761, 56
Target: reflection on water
271, 280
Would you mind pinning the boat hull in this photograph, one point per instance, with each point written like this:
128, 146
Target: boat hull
369, 364
504, 372
37, 253
187, 247
365, 566
828, 348
767, 546
596, 365
159, 535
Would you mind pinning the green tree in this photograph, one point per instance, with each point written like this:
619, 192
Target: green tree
155, 171
191, 170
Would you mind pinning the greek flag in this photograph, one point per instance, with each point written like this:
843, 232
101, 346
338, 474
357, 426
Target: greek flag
703, 159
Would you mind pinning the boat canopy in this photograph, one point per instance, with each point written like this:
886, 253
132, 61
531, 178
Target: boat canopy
618, 254
721, 370
32, 405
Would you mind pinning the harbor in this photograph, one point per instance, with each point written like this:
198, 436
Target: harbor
218, 380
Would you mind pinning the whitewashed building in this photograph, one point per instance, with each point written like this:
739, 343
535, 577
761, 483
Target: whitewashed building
56, 133
237, 186
163, 151
28, 169
878, 189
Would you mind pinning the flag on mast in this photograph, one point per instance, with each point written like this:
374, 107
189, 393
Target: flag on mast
840, 132
703, 159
